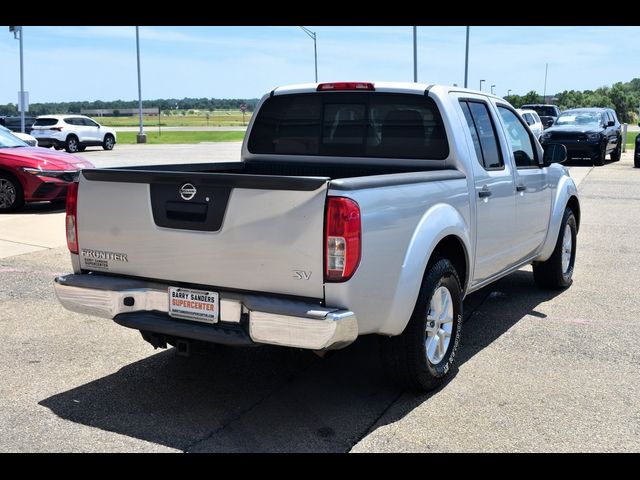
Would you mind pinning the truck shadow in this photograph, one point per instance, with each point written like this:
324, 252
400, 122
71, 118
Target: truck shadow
272, 399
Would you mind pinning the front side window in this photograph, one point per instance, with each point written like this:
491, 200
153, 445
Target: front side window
519, 139
88, 123
381, 125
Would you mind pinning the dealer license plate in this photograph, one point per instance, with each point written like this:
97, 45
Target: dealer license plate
196, 305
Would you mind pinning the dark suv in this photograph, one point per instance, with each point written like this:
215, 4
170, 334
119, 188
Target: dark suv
13, 123
587, 133
547, 113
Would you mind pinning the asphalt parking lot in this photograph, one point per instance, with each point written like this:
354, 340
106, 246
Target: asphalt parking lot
537, 370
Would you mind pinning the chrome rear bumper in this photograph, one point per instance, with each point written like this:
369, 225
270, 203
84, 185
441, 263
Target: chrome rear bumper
271, 320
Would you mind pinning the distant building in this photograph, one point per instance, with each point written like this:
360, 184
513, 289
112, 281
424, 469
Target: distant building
123, 112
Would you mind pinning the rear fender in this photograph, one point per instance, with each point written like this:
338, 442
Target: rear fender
438, 222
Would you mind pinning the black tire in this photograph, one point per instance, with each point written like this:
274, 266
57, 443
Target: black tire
636, 160
109, 142
57, 147
72, 144
11, 193
550, 274
404, 357
599, 159
617, 153
82, 148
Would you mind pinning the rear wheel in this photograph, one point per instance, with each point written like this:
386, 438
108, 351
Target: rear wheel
82, 148
11, 194
557, 271
421, 357
72, 144
108, 142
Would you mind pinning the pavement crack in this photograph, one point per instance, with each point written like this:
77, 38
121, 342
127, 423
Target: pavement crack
24, 243
376, 420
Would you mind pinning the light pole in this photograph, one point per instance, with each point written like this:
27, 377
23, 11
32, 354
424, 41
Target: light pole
492, 87
17, 33
141, 137
509, 93
466, 61
315, 48
415, 54
481, 84
544, 94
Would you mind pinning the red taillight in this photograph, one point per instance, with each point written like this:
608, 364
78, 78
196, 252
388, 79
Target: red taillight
342, 239
57, 129
345, 86
71, 220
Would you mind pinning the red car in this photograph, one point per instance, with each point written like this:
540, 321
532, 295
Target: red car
33, 174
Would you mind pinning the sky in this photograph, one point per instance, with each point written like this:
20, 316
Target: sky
99, 63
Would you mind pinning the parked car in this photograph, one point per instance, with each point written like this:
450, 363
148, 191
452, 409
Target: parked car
533, 120
74, 133
25, 137
548, 113
357, 209
33, 174
14, 123
590, 133
636, 152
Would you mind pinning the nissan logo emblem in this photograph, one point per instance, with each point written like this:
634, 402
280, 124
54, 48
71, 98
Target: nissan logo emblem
187, 191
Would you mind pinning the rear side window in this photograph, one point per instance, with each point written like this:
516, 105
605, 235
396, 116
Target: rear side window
74, 121
45, 122
483, 133
382, 125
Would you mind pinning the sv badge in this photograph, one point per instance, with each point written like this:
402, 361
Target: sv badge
301, 275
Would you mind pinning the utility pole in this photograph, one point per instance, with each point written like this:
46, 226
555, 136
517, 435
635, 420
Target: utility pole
466, 61
17, 34
415, 54
315, 48
544, 95
481, 84
141, 137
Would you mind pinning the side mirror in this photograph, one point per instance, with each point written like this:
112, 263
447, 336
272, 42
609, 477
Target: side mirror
554, 153
610, 123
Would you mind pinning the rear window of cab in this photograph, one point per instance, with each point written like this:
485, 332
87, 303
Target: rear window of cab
362, 124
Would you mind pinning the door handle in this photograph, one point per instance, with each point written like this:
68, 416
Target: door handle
521, 188
485, 192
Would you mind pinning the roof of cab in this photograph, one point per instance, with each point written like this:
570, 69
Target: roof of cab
385, 87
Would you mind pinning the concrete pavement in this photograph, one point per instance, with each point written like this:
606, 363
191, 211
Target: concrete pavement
537, 371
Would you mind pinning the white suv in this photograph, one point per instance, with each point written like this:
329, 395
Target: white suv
74, 133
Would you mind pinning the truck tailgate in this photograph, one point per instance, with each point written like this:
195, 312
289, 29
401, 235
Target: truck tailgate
246, 232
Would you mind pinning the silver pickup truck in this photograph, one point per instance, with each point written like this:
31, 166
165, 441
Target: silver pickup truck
356, 209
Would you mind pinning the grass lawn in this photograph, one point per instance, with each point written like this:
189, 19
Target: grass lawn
181, 137
224, 118
631, 140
